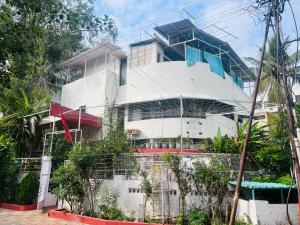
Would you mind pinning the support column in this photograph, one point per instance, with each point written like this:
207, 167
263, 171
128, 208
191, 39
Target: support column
181, 114
44, 181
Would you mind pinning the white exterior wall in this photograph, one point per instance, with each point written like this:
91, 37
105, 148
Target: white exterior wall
98, 87
131, 204
296, 90
171, 127
261, 212
170, 80
153, 82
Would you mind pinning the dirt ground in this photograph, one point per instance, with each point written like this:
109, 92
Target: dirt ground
35, 217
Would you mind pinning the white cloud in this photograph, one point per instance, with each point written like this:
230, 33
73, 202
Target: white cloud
118, 4
133, 17
235, 20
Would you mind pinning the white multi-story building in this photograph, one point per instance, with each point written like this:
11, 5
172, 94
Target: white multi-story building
182, 82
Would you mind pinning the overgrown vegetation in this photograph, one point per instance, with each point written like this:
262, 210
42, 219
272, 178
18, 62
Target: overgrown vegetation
211, 181
67, 186
8, 170
175, 164
36, 39
27, 191
146, 188
268, 152
109, 205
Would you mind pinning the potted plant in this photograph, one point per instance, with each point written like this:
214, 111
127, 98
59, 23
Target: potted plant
171, 143
148, 145
164, 143
157, 143
178, 141
186, 143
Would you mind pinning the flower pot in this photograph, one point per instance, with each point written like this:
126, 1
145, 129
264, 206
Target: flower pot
156, 145
148, 145
171, 145
178, 145
164, 145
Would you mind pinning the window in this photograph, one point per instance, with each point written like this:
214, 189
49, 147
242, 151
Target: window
123, 71
141, 55
158, 56
192, 108
259, 117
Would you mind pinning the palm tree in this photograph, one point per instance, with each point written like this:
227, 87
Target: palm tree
270, 83
17, 122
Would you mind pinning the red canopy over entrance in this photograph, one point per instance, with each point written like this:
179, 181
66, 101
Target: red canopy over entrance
85, 118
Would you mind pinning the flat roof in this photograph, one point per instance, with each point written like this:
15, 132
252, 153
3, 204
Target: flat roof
185, 26
144, 42
262, 185
94, 52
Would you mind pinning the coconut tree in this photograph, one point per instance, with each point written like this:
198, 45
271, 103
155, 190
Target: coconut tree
271, 84
20, 121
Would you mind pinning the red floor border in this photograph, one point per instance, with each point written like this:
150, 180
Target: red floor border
90, 220
18, 207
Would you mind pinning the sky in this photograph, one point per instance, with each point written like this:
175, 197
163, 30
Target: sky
135, 20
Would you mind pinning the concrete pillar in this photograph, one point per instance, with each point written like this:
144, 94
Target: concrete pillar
44, 181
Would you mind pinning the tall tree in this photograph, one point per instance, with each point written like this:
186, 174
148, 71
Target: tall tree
270, 83
37, 35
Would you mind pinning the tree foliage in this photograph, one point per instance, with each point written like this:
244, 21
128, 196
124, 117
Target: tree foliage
268, 151
37, 36
176, 165
28, 189
67, 186
85, 159
221, 144
146, 188
211, 180
271, 83
20, 121
8, 170
109, 205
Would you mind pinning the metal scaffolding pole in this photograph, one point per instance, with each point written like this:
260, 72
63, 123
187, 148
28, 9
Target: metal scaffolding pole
246, 143
181, 114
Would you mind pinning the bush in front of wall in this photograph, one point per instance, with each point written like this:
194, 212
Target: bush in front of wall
8, 170
27, 191
194, 217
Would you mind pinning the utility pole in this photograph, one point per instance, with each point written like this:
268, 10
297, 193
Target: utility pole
287, 96
253, 104
275, 8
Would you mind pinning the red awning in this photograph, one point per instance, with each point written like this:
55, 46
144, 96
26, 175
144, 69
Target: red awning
85, 118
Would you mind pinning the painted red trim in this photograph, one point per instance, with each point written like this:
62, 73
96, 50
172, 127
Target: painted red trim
164, 150
90, 220
85, 118
18, 207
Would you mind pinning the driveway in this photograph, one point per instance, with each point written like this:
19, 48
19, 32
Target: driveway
35, 217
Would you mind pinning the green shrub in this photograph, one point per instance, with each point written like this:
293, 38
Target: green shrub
217, 221
194, 217
282, 179
28, 189
109, 213
67, 186
149, 219
243, 222
8, 171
